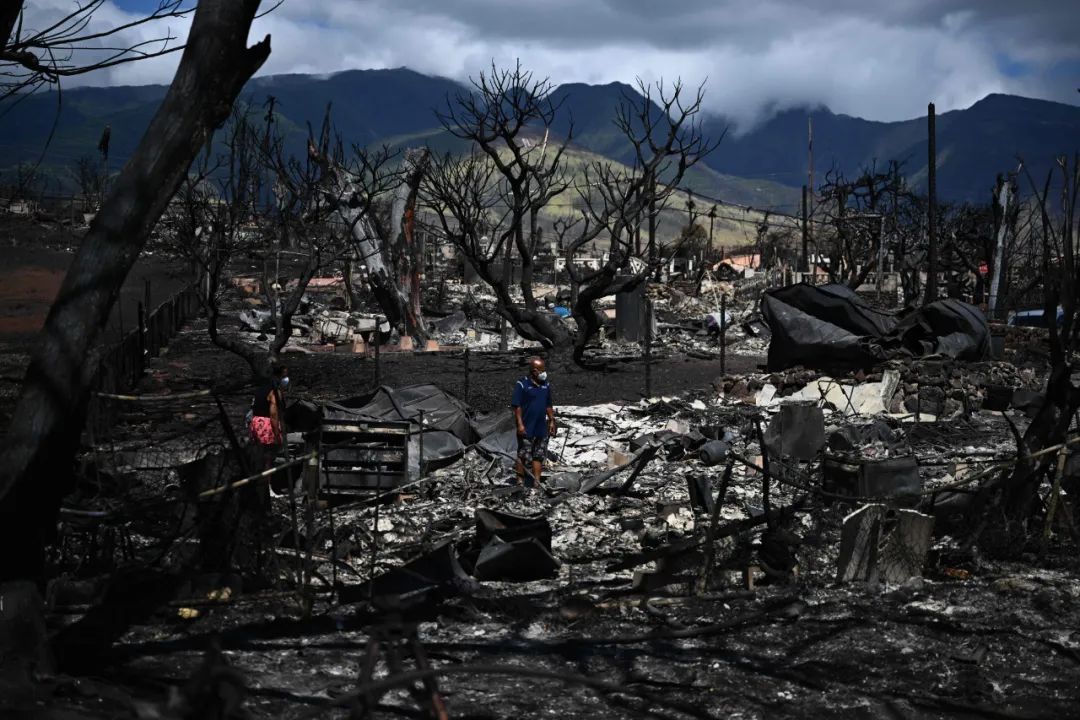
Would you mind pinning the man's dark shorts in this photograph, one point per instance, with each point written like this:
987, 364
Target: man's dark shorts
531, 448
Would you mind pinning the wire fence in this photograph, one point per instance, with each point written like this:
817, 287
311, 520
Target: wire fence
124, 363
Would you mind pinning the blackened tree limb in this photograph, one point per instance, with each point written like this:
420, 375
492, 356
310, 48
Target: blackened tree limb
44, 434
489, 202
1015, 493
31, 58
664, 130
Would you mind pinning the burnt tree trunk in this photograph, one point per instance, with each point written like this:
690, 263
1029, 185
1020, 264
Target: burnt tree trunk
408, 256
530, 324
526, 254
370, 250
44, 436
584, 311
1050, 426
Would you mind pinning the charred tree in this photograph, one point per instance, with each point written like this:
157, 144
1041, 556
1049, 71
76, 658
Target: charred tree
664, 131
463, 194
489, 202
408, 251
32, 58
1009, 502
356, 196
298, 220
858, 215
253, 203
44, 435
205, 226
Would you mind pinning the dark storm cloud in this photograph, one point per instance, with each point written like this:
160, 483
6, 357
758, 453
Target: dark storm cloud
881, 60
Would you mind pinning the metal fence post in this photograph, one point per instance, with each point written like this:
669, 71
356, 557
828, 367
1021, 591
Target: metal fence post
420, 450
723, 334
467, 369
648, 346
142, 338
375, 529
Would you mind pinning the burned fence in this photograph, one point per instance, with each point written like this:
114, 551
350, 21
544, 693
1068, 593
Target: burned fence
124, 363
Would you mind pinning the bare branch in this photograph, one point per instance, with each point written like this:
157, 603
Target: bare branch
32, 59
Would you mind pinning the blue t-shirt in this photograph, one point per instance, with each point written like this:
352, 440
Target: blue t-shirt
534, 400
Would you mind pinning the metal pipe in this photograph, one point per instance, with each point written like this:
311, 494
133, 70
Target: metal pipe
375, 530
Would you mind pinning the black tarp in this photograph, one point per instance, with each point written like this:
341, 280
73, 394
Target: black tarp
829, 327
450, 427
447, 428
510, 547
498, 436
442, 411
947, 327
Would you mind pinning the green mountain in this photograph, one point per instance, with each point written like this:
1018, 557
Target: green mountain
973, 145
763, 167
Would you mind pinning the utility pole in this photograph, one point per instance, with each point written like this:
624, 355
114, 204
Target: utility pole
637, 228
805, 255
712, 219
931, 219
648, 346
880, 254
810, 160
690, 222
652, 228
808, 191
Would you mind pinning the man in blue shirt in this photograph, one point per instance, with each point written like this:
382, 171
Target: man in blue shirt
535, 418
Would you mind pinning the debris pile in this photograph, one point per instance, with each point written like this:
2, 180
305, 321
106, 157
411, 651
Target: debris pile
815, 521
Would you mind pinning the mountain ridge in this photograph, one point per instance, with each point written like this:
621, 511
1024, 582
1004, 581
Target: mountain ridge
768, 161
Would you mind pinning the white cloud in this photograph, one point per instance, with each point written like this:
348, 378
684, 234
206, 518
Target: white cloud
881, 63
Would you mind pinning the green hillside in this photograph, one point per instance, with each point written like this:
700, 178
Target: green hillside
763, 167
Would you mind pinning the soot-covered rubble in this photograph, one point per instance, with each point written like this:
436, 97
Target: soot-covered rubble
463, 315
771, 544
682, 570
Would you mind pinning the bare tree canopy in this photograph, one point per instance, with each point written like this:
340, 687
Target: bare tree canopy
71, 44
663, 126
489, 203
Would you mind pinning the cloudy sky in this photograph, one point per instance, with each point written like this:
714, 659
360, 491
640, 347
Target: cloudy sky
873, 59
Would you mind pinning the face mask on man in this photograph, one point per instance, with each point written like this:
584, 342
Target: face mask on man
542, 377
283, 383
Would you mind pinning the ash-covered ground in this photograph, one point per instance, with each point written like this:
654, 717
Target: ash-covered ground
678, 570
655, 606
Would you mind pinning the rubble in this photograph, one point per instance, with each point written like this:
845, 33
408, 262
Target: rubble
877, 548
787, 513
